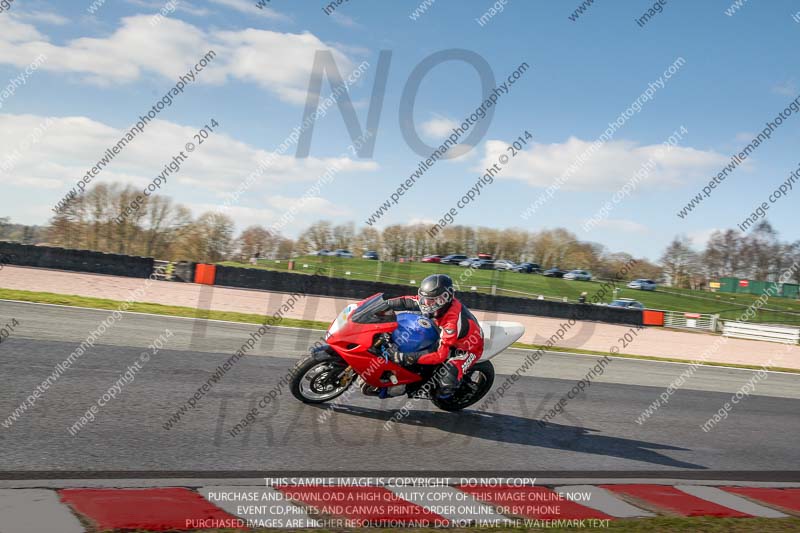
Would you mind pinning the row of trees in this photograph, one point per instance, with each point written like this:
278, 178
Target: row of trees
758, 255
101, 219
106, 218
549, 247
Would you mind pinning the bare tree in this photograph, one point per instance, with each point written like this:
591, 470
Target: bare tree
256, 241
680, 262
319, 235
342, 235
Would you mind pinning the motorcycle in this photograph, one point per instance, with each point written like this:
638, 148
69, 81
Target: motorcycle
355, 352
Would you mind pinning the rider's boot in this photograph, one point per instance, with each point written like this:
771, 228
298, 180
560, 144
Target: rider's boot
448, 380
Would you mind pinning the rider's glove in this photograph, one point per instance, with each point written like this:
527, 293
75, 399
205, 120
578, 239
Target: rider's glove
398, 357
393, 353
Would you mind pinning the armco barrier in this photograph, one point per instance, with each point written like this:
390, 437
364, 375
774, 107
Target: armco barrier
75, 260
761, 332
683, 320
270, 280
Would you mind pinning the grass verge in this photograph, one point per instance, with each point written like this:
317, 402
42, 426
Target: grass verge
155, 309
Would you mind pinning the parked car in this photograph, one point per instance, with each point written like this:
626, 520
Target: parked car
322, 252
341, 252
504, 264
627, 303
370, 254
452, 259
642, 284
485, 256
432, 259
474, 262
483, 264
579, 275
528, 268
554, 272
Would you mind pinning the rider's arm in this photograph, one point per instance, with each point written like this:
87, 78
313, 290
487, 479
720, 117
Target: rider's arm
448, 334
403, 303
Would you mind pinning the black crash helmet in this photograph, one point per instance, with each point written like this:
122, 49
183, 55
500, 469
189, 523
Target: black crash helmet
435, 294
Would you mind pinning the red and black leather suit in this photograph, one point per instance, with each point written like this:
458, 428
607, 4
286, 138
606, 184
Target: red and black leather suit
460, 340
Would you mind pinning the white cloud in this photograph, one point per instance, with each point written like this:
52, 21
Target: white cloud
621, 225
700, 238
288, 72
460, 153
242, 216
180, 5
344, 20
307, 205
786, 88
71, 145
428, 221
13, 31
438, 127
249, 7
272, 210
610, 167
278, 62
44, 17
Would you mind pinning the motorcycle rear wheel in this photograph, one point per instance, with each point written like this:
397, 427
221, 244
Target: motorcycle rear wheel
318, 381
476, 383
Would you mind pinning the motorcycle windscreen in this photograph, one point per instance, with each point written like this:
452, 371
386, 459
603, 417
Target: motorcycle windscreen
373, 310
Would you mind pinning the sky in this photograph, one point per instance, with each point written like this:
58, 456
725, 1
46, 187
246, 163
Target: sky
86, 71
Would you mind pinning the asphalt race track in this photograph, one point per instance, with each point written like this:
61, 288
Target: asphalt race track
597, 432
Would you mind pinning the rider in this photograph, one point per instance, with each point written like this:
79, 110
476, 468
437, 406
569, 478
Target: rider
460, 335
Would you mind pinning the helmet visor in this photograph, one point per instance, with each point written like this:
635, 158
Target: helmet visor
431, 304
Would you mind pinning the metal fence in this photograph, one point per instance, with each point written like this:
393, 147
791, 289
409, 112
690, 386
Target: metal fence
682, 320
761, 332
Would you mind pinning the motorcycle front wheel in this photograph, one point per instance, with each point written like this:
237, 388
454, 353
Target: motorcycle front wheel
476, 383
320, 381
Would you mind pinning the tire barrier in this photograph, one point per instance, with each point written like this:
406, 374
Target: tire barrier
75, 260
184, 271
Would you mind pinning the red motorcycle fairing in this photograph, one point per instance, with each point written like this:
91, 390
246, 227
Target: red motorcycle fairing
353, 340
